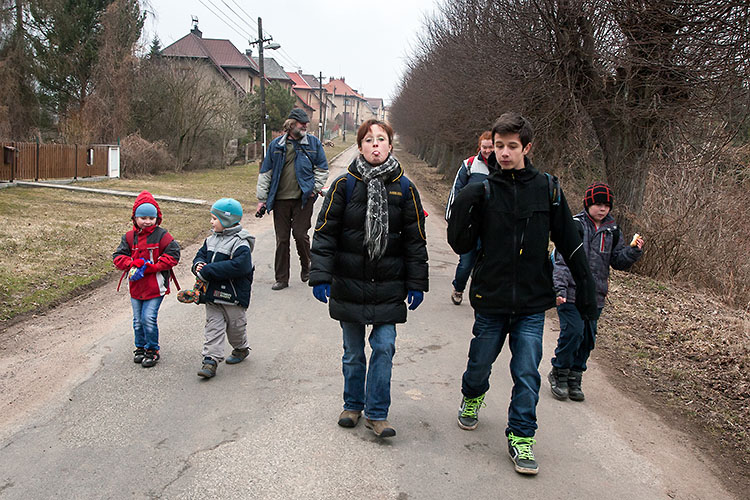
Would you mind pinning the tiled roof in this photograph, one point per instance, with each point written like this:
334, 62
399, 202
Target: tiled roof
272, 69
375, 102
223, 52
312, 81
341, 88
297, 81
301, 100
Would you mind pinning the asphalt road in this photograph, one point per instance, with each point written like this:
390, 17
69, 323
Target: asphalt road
81, 420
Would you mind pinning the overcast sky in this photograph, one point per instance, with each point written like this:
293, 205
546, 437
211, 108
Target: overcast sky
366, 42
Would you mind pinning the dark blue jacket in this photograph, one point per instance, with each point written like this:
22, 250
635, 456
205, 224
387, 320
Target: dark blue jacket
228, 268
310, 165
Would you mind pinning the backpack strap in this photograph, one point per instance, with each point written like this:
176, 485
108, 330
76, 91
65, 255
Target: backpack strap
129, 238
553, 184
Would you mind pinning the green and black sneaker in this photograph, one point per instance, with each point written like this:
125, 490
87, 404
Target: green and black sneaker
468, 414
519, 449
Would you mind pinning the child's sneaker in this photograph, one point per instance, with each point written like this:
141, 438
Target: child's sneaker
521, 453
150, 357
138, 355
208, 369
237, 356
468, 414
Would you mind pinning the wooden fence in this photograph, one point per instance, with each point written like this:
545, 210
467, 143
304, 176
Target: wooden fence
32, 161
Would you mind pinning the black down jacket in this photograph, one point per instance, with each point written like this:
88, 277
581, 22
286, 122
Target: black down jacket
365, 291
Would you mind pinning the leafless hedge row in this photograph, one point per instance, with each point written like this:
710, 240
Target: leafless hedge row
651, 96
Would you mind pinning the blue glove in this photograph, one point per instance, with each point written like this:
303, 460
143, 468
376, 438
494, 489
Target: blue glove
322, 292
137, 273
414, 298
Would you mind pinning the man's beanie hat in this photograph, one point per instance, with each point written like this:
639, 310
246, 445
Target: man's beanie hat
228, 211
598, 193
145, 210
299, 115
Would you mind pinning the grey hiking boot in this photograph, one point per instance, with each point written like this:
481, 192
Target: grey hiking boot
237, 356
574, 386
558, 382
208, 369
521, 453
150, 358
381, 428
468, 414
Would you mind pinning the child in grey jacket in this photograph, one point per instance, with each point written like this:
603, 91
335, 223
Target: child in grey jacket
604, 247
224, 269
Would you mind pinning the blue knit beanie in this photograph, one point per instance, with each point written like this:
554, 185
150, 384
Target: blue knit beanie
228, 211
145, 210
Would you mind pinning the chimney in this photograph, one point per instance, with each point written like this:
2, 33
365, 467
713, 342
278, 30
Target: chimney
195, 31
249, 53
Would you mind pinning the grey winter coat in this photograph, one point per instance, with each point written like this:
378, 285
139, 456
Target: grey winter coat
600, 254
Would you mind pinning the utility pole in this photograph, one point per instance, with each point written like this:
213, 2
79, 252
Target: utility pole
260, 41
345, 102
321, 125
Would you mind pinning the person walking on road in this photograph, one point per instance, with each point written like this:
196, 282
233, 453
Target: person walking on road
604, 246
292, 174
224, 267
514, 212
369, 254
472, 169
147, 253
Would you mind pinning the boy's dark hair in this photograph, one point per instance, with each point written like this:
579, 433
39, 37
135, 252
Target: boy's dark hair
513, 123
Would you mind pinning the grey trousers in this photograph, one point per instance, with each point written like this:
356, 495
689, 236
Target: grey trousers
224, 319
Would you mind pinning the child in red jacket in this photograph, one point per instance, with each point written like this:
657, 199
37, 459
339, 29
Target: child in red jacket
147, 253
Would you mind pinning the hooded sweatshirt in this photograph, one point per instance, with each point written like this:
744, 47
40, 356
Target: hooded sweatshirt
152, 243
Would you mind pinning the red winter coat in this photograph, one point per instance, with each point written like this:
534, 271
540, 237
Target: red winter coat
149, 243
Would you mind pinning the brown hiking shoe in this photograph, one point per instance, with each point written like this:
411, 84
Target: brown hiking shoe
349, 418
381, 428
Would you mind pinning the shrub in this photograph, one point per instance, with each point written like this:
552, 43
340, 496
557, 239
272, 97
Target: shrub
141, 157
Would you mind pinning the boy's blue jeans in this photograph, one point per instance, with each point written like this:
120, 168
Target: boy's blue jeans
146, 330
375, 397
463, 269
525, 342
572, 352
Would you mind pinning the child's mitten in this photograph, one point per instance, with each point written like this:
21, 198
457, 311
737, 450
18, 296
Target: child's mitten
137, 273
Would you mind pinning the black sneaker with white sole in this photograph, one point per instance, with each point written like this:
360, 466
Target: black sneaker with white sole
522, 454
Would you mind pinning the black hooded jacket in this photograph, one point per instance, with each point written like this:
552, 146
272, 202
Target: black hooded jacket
365, 291
514, 221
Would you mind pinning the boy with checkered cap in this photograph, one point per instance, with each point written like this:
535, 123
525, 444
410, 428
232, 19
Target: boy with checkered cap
224, 265
604, 246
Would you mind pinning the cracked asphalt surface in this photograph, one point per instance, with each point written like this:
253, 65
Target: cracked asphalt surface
81, 420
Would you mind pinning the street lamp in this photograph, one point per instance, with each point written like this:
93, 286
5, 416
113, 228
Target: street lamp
271, 46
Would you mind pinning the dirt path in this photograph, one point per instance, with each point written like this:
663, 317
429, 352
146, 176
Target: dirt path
76, 410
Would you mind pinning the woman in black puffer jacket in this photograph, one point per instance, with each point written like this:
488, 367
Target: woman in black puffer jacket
369, 255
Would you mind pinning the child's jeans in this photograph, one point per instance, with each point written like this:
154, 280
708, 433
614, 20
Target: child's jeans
224, 320
572, 352
145, 314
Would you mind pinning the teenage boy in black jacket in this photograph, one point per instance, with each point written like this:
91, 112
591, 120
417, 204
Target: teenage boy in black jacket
514, 213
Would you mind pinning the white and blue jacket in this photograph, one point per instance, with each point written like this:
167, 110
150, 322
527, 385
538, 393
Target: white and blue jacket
473, 169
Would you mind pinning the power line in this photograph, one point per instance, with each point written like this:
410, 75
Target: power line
254, 25
245, 34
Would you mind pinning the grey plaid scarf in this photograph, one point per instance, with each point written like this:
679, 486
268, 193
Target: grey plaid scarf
376, 218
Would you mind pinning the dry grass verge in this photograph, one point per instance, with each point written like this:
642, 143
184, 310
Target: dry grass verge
683, 353
57, 243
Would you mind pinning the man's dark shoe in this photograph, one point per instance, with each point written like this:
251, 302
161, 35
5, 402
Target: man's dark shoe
349, 418
279, 285
150, 358
468, 414
574, 386
521, 453
237, 356
381, 428
208, 369
138, 355
558, 382
304, 276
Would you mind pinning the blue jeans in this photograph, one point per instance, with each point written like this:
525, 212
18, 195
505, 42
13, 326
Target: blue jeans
572, 352
465, 265
146, 330
525, 333
375, 398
